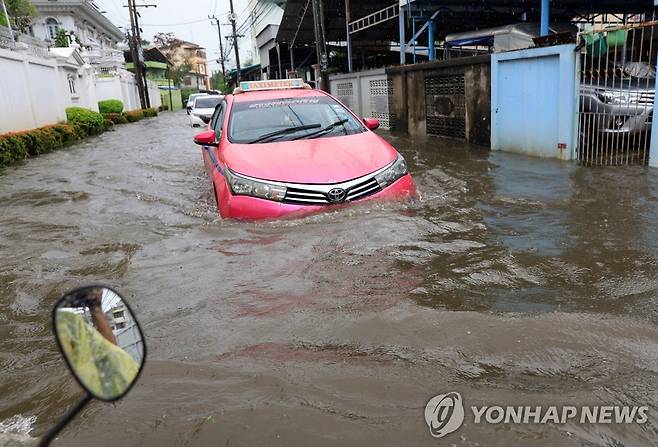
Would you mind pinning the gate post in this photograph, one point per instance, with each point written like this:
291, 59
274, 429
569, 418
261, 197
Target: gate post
653, 147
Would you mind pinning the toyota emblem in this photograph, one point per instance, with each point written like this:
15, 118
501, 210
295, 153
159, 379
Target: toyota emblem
336, 195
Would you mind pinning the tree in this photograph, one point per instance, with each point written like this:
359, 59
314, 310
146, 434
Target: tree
179, 71
218, 82
20, 13
166, 40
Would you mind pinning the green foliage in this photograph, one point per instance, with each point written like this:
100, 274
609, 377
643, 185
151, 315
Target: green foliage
115, 118
16, 146
110, 106
21, 13
91, 122
62, 39
219, 82
186, 92
179, 71
4, 20
150, 112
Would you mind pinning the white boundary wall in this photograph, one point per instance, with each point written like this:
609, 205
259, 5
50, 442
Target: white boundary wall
366, 93
35, 91
124, 87
30, 91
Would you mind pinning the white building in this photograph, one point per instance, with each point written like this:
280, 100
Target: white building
265, 17
82, 17
97, 35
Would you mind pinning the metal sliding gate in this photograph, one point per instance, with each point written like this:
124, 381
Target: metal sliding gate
617, 90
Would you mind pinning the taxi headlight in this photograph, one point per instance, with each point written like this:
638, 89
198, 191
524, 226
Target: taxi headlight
392, 173
244, 186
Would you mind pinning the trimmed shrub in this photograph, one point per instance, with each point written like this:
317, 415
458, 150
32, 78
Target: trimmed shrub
134, 115
16, 146
114, 117
91, 122
150, 112
107, 124
110, 106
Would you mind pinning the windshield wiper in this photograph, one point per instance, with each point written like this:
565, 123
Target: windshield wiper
319, 133
285, 131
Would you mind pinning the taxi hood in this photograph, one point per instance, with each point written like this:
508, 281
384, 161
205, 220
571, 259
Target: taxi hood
318, 160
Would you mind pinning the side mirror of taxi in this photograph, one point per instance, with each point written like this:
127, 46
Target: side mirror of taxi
371, 123
206, 138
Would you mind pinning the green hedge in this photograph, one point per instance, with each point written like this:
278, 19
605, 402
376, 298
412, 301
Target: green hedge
82, 122
110, 106
116, 118
91, 122
16, 146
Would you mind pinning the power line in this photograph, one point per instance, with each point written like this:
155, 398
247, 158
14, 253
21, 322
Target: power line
175, 24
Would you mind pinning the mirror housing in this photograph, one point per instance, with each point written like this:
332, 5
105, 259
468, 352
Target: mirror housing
100, 340
371, 123
206, 138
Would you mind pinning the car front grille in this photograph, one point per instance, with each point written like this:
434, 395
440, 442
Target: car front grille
297, 194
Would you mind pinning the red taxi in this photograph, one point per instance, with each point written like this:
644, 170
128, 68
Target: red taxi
275, 148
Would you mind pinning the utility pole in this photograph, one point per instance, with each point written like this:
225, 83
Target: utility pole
235, 43
221, 47
137, 53
134, 55
320, 48
349, 37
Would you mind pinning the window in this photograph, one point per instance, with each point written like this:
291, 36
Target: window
118, 314
121, 325
52, 26
206, 102
251, 120
72, 85
218, 120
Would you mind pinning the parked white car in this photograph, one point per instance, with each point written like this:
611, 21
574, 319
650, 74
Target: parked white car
190, 101
202, 109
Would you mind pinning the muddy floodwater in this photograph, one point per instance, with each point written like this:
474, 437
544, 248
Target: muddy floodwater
511, 280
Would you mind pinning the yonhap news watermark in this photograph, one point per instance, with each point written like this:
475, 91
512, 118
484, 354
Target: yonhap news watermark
445, 413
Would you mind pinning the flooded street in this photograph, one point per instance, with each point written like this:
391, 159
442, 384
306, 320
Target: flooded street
512, 280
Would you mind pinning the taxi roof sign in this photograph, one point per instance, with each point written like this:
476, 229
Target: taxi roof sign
273, 84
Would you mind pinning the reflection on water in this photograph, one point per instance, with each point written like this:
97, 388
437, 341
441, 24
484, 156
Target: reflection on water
511, 279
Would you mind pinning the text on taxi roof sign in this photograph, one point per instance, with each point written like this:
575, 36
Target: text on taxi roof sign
274, 84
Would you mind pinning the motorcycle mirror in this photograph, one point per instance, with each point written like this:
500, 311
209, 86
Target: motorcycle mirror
100, 339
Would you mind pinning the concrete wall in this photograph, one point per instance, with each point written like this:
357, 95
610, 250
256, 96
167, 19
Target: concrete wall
35, 90
446, 98
534, 101
366, 93
124, 87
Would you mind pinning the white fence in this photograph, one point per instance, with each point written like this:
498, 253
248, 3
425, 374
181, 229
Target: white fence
35, 91
366, 93
123, 86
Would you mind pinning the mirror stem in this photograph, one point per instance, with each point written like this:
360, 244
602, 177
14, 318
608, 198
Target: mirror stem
64, 421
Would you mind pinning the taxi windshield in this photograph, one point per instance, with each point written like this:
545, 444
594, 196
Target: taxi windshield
290, 119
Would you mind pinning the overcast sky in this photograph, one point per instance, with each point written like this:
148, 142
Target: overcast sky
187, 19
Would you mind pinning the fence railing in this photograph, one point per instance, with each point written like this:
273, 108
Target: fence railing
617, 90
